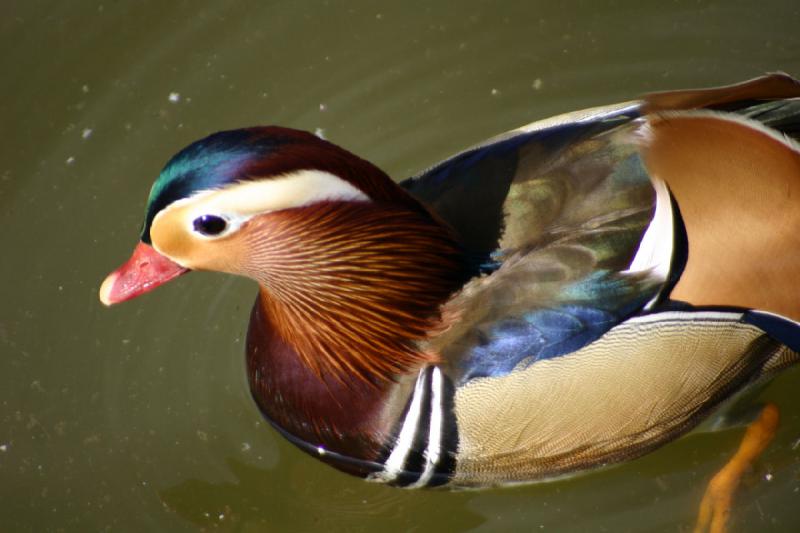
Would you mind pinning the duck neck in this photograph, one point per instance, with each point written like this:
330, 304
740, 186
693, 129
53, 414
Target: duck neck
349, 292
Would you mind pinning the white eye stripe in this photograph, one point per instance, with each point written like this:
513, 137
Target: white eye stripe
239, 202
297, 189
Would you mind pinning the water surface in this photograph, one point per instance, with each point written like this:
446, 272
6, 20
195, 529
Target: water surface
138, 417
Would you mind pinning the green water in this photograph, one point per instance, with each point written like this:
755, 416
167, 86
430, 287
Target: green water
138, 418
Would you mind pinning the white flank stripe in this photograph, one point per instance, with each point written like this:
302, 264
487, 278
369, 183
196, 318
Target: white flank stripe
688, 315
394, 464
434, 448
656, 248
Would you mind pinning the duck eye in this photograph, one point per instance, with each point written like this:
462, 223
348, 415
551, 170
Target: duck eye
210, 225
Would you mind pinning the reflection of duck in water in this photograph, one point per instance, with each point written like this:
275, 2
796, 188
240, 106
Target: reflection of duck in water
567, 295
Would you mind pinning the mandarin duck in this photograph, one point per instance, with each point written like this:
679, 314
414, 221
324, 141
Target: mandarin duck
567, 295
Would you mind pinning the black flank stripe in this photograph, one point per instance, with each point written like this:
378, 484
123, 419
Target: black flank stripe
415, 460
446, 466
391, 440
680, 250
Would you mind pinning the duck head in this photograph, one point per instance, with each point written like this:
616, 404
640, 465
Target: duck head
352, 269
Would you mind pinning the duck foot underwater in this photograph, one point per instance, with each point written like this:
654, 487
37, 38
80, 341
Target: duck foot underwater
570, 294
715, 507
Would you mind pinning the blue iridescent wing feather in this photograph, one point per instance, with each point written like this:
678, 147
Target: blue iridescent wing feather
553, 218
